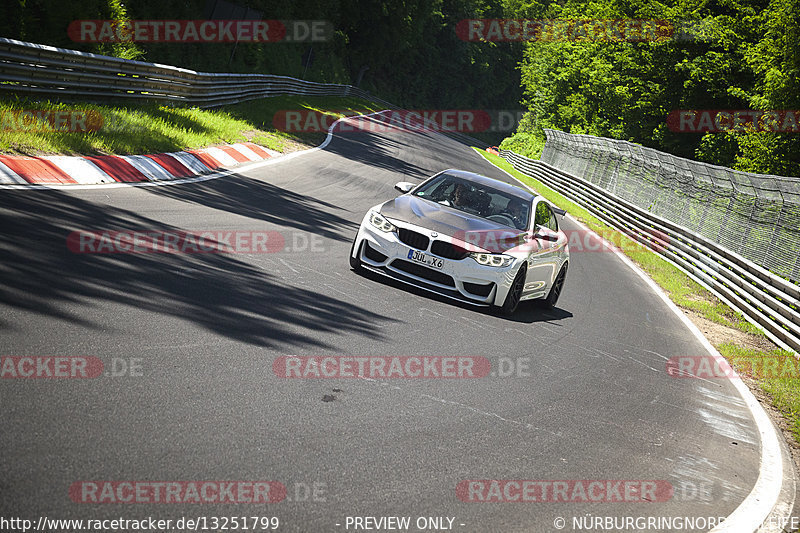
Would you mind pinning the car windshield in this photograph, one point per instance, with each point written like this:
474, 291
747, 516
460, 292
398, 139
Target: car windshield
477, 199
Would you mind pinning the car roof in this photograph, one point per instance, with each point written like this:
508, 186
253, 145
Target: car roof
491, 182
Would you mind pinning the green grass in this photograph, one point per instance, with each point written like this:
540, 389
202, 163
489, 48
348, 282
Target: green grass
138, 129
777, 373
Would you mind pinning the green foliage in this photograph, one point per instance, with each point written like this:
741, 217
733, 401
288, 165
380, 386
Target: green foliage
124, 50
407, 52
743, 55
739, 54
528, 140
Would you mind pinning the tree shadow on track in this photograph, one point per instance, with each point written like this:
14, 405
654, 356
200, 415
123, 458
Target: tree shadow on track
219, 292
260, 200
378, 150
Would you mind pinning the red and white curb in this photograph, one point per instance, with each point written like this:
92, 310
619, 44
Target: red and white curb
85, 170
128, 170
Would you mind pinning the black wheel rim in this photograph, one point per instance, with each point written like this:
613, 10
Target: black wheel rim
557, 286
516, 293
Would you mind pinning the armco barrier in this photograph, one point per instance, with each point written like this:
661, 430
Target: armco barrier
43, 71
754, 215
763, 298
36, 69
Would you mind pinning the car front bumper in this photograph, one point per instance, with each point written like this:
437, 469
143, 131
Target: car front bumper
461, 279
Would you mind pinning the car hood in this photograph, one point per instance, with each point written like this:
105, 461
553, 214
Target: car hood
446, 221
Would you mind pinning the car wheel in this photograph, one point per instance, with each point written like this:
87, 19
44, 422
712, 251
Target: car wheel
555, 290
355, 262
515, 292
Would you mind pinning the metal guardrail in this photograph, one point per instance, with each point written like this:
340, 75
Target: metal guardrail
767, 300
70, 75
754, 215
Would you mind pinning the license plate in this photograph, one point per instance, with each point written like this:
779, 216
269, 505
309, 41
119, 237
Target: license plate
425, 259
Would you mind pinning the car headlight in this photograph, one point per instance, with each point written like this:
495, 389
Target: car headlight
381, 223
495, 260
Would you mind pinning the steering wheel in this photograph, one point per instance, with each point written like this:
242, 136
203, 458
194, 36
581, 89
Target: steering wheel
502, 219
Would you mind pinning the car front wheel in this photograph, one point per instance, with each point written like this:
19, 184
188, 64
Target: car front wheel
555, 290
515, 292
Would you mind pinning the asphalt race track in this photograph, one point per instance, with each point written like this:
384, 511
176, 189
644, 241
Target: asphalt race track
188, 343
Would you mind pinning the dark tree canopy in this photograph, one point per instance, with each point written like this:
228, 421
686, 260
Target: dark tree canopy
744, 54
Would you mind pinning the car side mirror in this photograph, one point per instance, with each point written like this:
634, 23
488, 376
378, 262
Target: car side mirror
545, 236
404, 186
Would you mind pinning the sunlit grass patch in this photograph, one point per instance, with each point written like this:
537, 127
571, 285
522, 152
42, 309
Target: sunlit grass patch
149, 128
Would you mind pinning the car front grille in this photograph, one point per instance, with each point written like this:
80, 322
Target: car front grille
423, 272
413, 239
448, 250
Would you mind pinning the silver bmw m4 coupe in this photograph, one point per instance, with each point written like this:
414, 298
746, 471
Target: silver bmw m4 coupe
467, 237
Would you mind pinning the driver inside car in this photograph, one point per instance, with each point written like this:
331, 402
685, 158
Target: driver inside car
516, 210
461, 196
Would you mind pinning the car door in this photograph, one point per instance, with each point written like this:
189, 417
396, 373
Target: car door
543, 253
